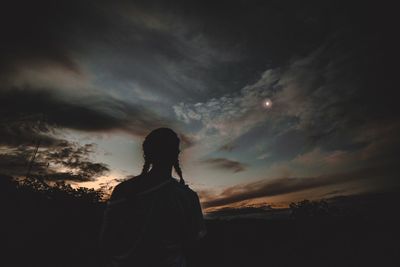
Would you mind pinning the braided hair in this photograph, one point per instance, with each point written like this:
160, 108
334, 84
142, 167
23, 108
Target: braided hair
178, 170
146, 166
162, 145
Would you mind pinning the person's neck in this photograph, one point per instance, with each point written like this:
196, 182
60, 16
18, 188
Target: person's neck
161, 172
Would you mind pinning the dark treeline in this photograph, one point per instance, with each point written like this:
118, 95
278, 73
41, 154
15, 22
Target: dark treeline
58, 226
49, 225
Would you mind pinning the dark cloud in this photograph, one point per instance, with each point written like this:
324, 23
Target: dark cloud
38, 32
30, 114
225, 164
281, 186
75, 158
182, 43
123, 41
21, 130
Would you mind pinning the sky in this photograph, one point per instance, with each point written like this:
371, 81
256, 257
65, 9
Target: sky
274, 101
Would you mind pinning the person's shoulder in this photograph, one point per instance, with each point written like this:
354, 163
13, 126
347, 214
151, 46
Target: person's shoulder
176, 184
124, 188
182, 188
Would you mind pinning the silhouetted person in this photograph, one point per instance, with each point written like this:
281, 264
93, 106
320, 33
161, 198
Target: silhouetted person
152, 218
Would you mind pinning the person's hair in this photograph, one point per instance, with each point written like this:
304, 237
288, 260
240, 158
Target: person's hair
161, 146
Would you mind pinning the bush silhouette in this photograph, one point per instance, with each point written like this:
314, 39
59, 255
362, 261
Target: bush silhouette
49, 224
307, 209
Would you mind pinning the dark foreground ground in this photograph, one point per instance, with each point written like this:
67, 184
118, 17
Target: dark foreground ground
53, 229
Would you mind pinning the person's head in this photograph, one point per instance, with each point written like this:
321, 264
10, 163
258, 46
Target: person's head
161, 148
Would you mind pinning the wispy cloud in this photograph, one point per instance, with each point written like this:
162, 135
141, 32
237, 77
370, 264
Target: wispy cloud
225, 164
279, 186
232, 114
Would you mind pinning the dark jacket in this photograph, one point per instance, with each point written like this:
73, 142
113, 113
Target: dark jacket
151, 225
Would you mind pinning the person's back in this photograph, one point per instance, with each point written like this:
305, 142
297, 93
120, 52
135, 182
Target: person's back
149, 221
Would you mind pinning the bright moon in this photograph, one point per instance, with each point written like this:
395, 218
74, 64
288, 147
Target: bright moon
267, 103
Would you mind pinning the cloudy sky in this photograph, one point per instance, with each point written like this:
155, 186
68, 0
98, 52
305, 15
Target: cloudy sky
89, 79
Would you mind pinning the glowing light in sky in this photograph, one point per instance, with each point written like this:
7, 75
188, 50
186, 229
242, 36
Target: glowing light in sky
267, 103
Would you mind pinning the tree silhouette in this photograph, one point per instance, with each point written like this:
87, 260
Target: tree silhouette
307, 208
